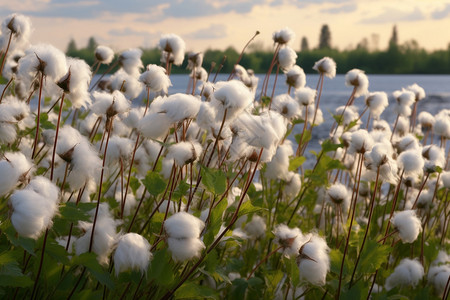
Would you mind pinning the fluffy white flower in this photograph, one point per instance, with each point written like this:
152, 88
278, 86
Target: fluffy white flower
119, 148
305, 96
234, 96
156, 79
313, 260
296, 77
179, 107
130, 61
407, 273
183, 231
13, 168
286, 58
289, 239
184, 152
326, 66
407, 224
377, 102
174, 45
283, 36
33, 208
195, 60
104, 54
278, 167
293, 185
256, 228
183, 225
338, 194
361, 141
128, 84
132, 252
442, 125
411, 161
418, 91
426, 120
20, 27
155, 125
77, 82
109, 104
105, 234
286, 106
358, 80
42, 58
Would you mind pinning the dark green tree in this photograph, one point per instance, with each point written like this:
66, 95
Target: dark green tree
92, 44
304, 45
325, 37
71, 48
393, 41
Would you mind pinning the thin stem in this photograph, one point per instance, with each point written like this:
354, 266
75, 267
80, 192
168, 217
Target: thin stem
240, 56
319, 93
262, 261
112, 66
6, 52
56, 136
6, 87
36, 137
41, 262
91, 241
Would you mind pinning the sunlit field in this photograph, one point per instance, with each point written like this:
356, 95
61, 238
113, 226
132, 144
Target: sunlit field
118, 188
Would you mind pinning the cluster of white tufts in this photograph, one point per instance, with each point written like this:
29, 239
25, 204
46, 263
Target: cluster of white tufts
407, 224
313, 260
33, 207
183, 236
407, 273
132, 252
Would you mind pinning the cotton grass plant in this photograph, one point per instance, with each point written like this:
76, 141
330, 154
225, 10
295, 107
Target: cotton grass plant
125, 189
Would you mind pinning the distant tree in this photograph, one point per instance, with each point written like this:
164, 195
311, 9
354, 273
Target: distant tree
374, 40
363, 45
304, 46
71, 48
393, 42
325, 37
92, 44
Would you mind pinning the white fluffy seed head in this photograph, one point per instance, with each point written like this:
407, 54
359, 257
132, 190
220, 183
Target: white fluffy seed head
20, 27
442, 126
156, 79
305, 96
289, 239
174, 45
377, 102
183, 225
128, 84
183, 249
407, 224
130, 61
407, 273
283, 36
184, 152
104, 54
418, 91
234, 96
338, 194
195, 60
445, 176
14, 168
361, 141
132, 252
326, 66
411, 161
286, 58
80, 77
109, 104
426, 120
296, 77
33, 208
155, 125
286, 106
358, 80
293, 185
256, 228
179, 107
313, 259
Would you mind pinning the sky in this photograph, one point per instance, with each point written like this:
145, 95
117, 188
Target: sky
203, 24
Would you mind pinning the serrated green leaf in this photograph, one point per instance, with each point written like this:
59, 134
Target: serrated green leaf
134, 184
26, 243
373, 256
57, 251
45, 123
328, 146
154, 183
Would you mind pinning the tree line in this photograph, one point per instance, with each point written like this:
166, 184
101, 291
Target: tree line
406, 58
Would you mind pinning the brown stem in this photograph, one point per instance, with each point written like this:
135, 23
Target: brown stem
112, 66
274, 85
298, 152
41, 81
41, 262
319, 93
91, 241
240, 56
6, 53
263, 260
6, 87
56, 136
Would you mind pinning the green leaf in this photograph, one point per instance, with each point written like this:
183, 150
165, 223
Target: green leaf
191, 290
296, 162
328, 146
72, 213
134, 184
373, 256
214, 180
181, 190
7, 257
239, 288
161, 268
26, 243
44, 122
57, 251
89, 260
154, 183
265, 100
